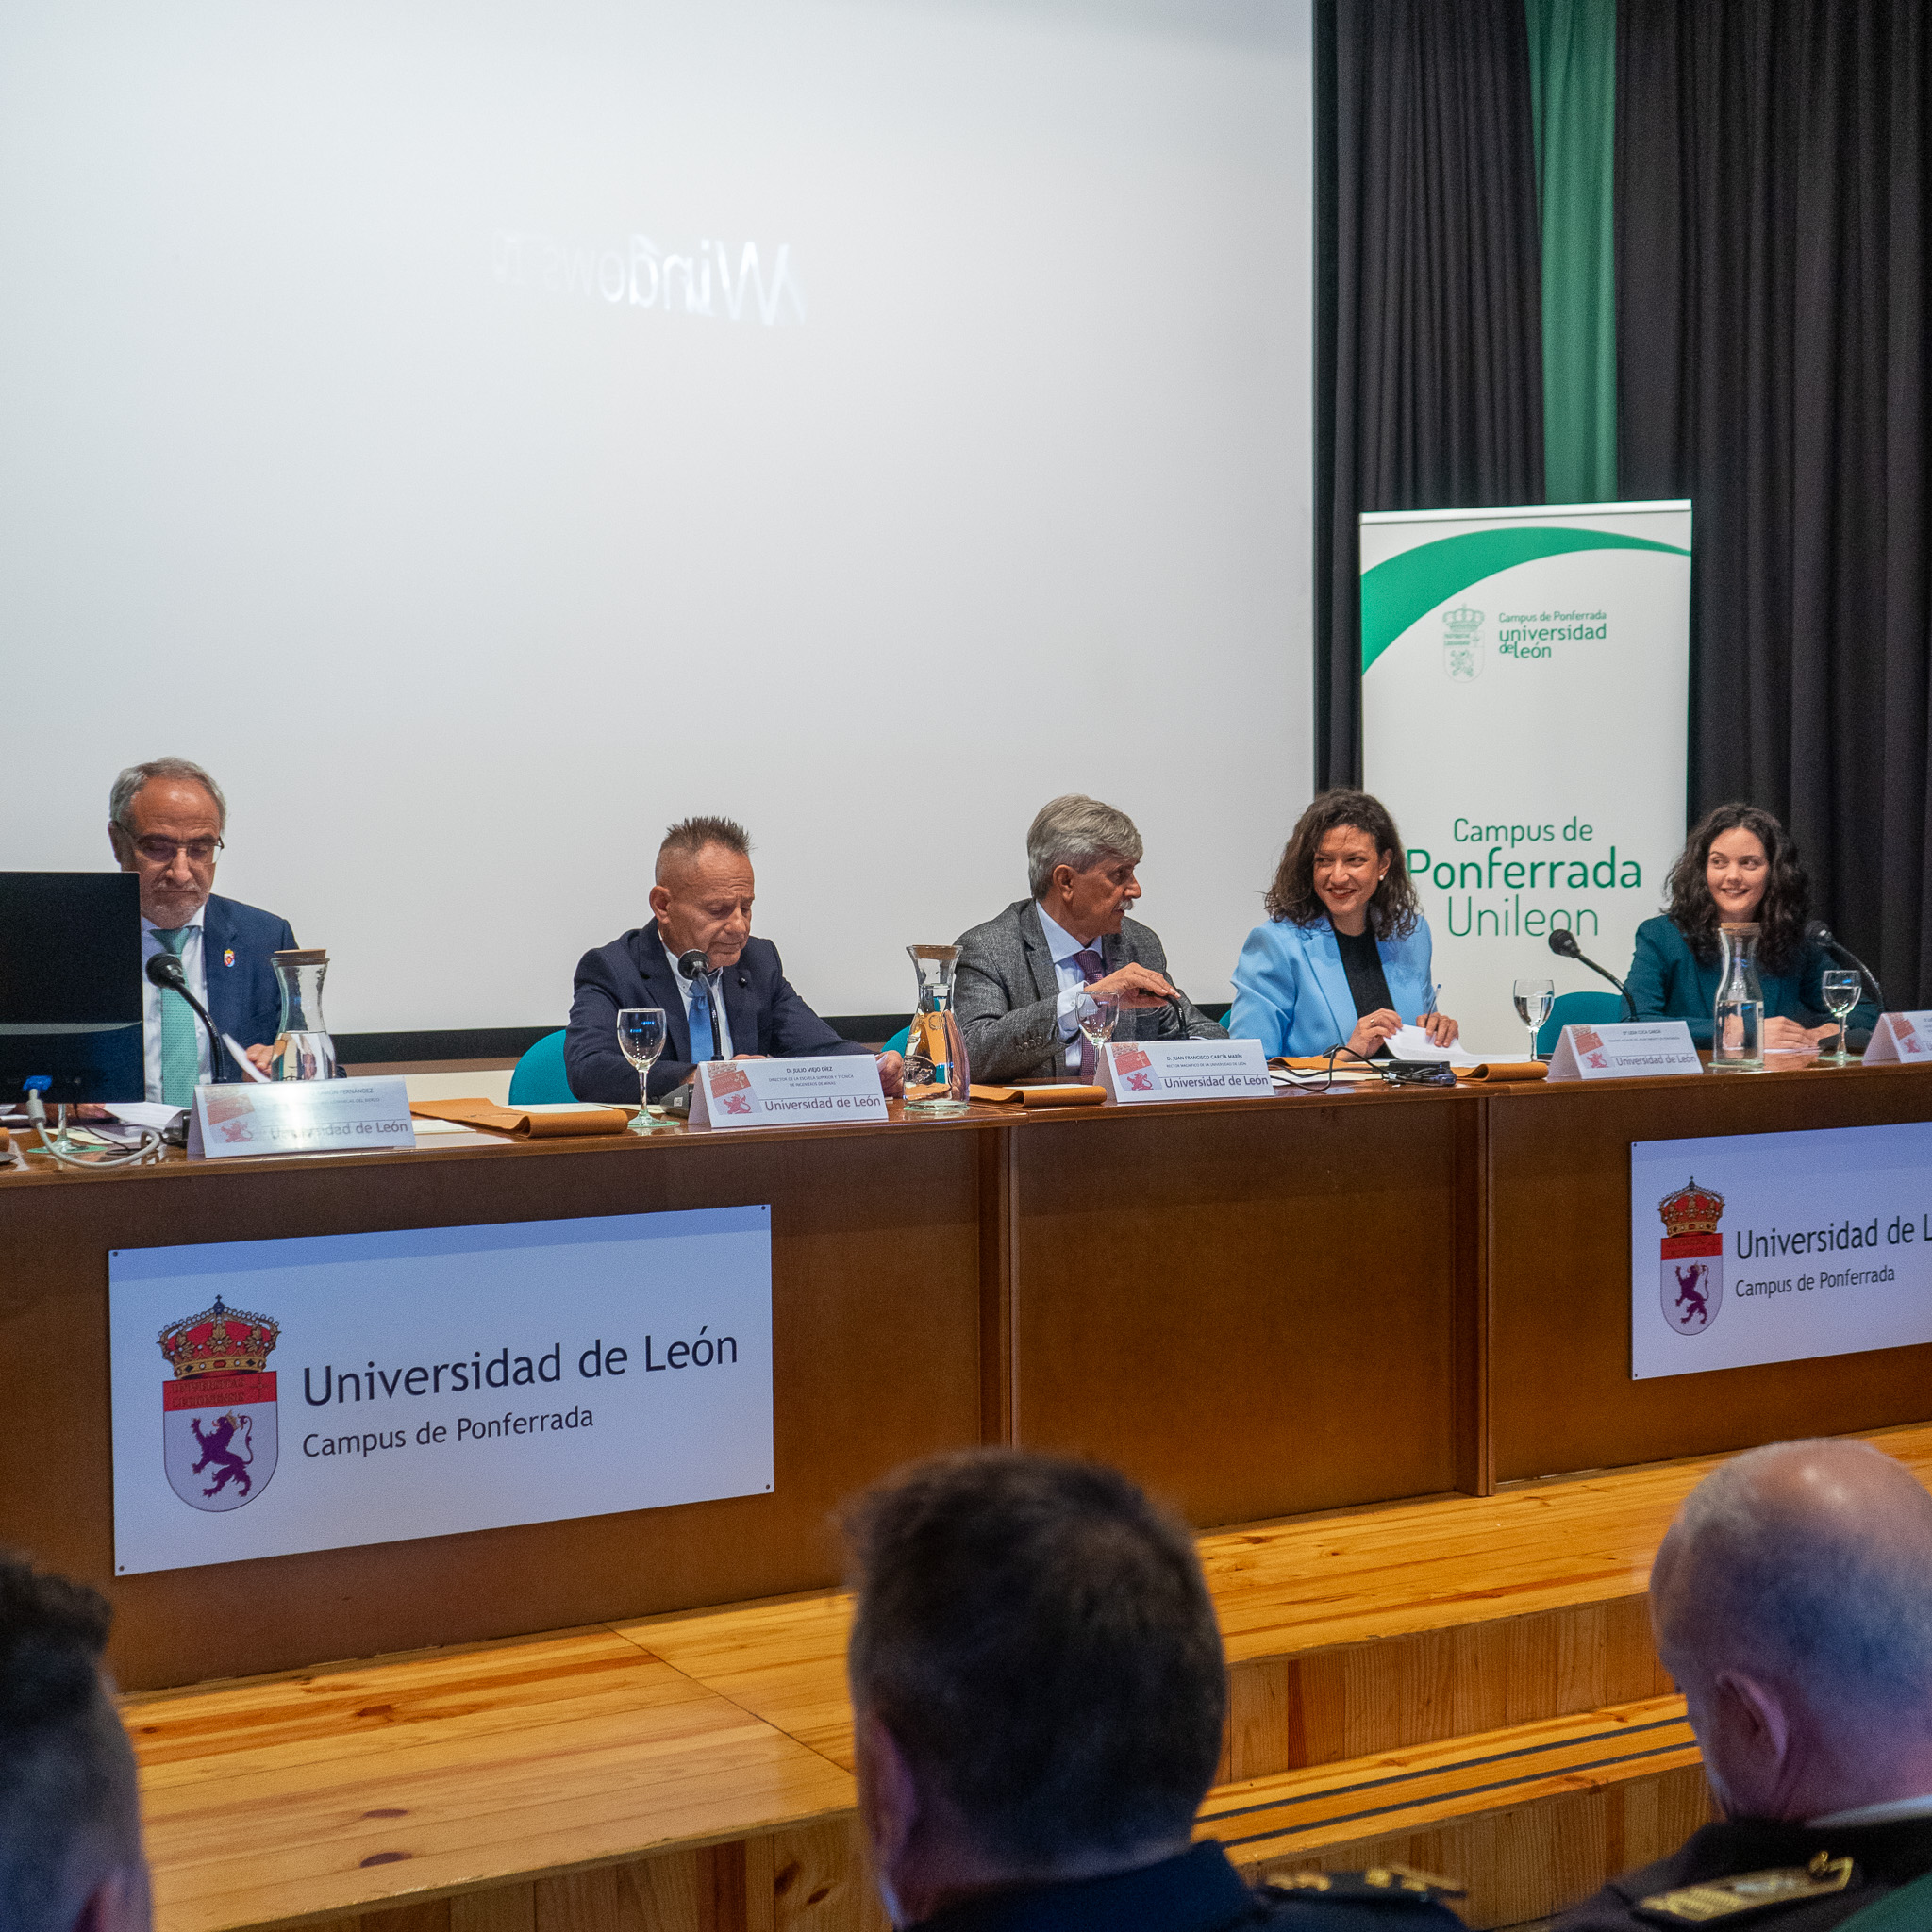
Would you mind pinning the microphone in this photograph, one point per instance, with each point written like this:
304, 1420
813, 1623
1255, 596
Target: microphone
1821, 935
1563, 940
695, 965
164, 969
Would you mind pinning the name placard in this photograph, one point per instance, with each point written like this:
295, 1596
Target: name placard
1900, 1037
323, 1392
833, 1091
300, 1117
1136, 1070
1635, 1050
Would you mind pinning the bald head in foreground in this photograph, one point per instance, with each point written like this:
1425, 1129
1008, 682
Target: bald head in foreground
1793, 1603
1037, 1689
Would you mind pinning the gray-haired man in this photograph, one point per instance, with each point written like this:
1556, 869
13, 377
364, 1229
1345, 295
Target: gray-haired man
1020, 973
1793, 1603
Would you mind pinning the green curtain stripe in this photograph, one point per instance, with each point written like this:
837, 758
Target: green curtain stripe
1395, 594
1572, 95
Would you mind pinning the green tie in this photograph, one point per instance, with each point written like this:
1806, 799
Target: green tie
180, 1042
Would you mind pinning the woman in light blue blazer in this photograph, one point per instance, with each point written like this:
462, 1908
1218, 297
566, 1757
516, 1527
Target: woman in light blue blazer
1344, 957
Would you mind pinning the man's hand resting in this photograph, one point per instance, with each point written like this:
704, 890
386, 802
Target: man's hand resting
1134, 986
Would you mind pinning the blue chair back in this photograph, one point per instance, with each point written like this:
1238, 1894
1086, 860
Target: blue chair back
897, 1042
539, 1075
1577, 1009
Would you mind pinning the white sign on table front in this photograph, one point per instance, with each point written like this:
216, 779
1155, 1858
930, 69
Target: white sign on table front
832, 1092
1635, 1050
299, 1117
1749, 1248
332, 1390
1136, 1070
1905, 1037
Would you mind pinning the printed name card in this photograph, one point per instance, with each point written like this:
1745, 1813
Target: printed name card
299, 1117
833, 1091
1905, 1037
1638, 1050
1134, 1071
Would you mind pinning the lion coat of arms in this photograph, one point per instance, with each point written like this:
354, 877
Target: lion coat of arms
1691, 1268
218, 1410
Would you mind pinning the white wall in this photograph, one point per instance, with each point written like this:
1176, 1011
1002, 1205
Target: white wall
348, 445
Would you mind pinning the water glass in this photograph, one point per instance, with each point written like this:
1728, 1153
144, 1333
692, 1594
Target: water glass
1534, 999
641, 1034
1841, 989
1095, 1014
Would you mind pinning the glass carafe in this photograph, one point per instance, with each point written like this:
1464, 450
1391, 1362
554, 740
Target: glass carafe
1737, 1039
937, 1075
303, 1050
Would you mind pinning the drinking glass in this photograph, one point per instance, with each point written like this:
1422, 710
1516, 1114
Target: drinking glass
1841, 990
1534, 999
641, 1034
1095, 1015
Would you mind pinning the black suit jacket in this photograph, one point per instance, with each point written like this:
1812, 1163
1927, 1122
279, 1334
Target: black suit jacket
1198, 1891
1884, 1856
764, 1014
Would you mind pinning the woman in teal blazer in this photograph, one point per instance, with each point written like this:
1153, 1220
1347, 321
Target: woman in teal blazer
1738, 866
1344, 957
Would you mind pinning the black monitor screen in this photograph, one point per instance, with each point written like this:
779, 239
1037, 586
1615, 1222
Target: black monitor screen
71, 984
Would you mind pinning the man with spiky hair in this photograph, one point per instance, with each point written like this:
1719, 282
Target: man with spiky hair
736, 1002
70, 1822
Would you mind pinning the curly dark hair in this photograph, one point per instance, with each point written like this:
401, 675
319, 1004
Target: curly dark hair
1393, 911
1781, 913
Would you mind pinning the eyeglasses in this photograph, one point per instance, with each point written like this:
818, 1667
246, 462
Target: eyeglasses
162, 851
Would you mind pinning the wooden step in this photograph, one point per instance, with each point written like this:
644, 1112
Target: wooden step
1528, 1820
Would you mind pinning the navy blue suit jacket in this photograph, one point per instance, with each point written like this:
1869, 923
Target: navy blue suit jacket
244, 997
765, 1015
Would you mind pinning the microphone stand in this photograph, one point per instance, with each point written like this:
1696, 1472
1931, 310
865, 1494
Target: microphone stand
165, 969
1563, 944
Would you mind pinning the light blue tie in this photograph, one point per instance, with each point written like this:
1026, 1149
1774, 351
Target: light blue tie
700, 1020
181, 1041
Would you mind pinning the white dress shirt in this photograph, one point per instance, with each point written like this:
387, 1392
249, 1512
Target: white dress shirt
194, 968
1062, 945
718, 1017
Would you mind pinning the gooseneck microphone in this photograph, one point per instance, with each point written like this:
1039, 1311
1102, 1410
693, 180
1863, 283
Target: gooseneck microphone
695, 965
1563, 940
1821, 935
164, 969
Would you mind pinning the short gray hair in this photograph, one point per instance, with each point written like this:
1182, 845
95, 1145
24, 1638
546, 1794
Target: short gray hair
128, 787
1078, 831
1842, 1612
688, 837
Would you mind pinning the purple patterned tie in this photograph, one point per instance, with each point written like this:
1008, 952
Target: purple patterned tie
1091, 968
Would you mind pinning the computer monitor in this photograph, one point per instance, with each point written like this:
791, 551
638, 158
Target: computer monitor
70, 985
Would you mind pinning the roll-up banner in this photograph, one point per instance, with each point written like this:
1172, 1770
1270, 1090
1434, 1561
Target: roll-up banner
1524, 692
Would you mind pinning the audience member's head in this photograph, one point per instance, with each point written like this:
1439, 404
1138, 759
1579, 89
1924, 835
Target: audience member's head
1792, 1602
1037, 1676
70, 1824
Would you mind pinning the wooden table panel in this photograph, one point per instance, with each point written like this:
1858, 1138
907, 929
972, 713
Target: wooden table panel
1558, 1161
1252, 1306
875, 1271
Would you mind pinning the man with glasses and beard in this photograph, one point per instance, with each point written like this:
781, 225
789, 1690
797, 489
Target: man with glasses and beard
165, 820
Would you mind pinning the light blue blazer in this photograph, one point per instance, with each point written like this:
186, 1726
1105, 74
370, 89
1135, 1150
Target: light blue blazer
1291, 993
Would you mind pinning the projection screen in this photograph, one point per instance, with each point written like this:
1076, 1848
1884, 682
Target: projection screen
482, 433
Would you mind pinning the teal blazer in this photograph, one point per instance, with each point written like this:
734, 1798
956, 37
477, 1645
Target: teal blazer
1291, 992
1668, 981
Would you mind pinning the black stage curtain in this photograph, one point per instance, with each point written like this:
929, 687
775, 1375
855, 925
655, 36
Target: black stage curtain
1429, 343
1771, 203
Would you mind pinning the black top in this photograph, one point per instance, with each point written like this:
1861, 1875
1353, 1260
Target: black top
1361, 959
1883, 1857
1198, 1891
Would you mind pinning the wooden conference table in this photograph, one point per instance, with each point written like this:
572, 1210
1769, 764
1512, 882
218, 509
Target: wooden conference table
1258, 1307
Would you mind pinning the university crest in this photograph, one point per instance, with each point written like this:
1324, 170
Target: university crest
1462, 643
1691, 1268
218, 1410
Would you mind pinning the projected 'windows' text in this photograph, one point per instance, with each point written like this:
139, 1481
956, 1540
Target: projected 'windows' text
641, 275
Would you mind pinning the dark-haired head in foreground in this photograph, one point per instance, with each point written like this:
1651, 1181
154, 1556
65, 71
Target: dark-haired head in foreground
69, 1822
1793, 1605
1039, 1689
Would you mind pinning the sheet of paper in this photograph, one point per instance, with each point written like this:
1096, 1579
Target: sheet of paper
1412, 1044
146, 1113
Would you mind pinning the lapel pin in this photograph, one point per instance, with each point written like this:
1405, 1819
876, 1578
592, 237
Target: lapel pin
228, 958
